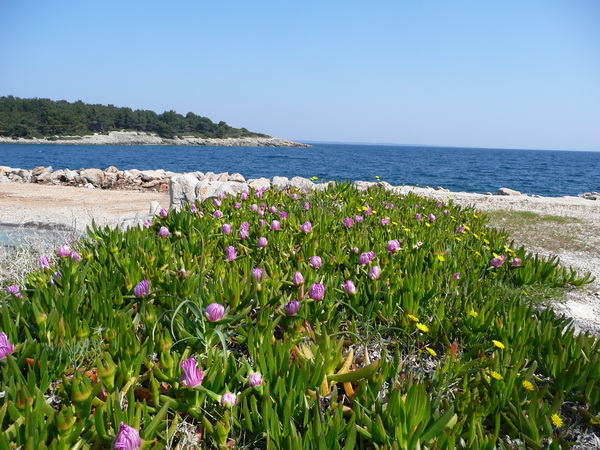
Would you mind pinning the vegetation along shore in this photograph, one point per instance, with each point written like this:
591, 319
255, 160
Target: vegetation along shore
339, 317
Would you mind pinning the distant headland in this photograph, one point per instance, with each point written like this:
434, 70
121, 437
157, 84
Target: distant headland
45, 121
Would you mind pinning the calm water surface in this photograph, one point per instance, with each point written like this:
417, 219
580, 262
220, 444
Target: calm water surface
547, 173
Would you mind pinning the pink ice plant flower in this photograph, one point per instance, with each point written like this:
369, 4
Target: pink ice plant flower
257, 273
14, 290
358, 219
217, 202
439, 204
75, 256
348, 222
163, 213
306, 206
262, 242
516, 262
6, 347
292, 307
214, 312
348, 287
316, 291
417, 216
273, 209
498, 261
456, 276
255, 379
315, 262
142, 289
191, 375
147, 224
44, 262
64, 251
228, 399
393, 246
283, 215
230, 253
128, 438
374, 273
164, 232
226, 228
431, 217
254, 207
237, 205
275, 225
446, 212
306, 227
297, 279
194, 208
218, 214
364, 259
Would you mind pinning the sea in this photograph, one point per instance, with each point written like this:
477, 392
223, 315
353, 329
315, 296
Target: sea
543, 172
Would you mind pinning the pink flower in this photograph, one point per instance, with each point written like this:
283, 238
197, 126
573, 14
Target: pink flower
64, 251
128, 438
298, 279
5, 346
306, 206
75, 256
439, 204
243, 234
262, 223
276, 225
222, 195
142, 289
194, 208
263, 206
217, 202
191, 376
214, 312
497, 262
364, 259
255, 379
44, 262
316, 291
348, 222
257, 273
446, 212
245, 195
147, 224
417, 216
355, 250
14, 289
164, 232
218, 214
393, 246
230, 253
431, 217
358, 219
261, 212
283, 215
262, 242
306, 227
237, 205
226, 228
163, 213
315, 262
374, 273
292, 307
384, 221
228, 399
456, 276
272, 209
516, 262
294, 196
460, 229
349, 288
371, 255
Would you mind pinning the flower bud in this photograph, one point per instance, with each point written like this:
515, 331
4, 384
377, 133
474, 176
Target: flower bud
163, 213
316, 291
292, 307
255, 379
64, 251
226, 228
214, 312
230, 253
128, 438
257, 273
229, 400
306, 227
163, 232
349, 288
5, 346
262, 242
298, 279
142, 289
191, 376
275, 225
315, 262
218, 214
374, 273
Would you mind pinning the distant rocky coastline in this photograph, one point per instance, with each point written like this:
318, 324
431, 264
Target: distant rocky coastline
141, 138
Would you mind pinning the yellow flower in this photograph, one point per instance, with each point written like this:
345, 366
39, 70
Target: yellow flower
423, 328
485, 240
498, 344
474, 314
477, 254
528, 385
413, 318
467, 227
556, 420
497, 376
475, 216
374, 212
475, 235
395, 223
458, 239
364, 208
440, 257
314, 178
431, 351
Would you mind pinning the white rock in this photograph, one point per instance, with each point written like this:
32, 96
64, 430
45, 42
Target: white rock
93, 176
507, 191
281, 183
259, 183
302, 183
238, 177
183, 189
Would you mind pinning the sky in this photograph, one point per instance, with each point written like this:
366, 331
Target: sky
509, 74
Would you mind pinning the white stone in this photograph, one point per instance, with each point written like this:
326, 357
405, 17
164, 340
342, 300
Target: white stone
507, 191
183, 189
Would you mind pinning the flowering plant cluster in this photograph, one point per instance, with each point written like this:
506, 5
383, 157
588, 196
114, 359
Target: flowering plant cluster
287, 319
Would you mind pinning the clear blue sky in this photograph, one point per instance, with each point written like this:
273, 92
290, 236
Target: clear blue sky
507, 74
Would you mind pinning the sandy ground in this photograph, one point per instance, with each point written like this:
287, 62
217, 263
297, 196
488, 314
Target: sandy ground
76, 207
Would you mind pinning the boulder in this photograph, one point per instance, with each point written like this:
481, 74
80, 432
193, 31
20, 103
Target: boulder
133, 173
222, 177
70, 175
182, 189
93, 176
231, 188
111, 169
507, 191
41, 174
110, 178
590, 195
302, 183
58, 176
364, 185
281, 183
259, 183
237, 177
207, 189
151, 175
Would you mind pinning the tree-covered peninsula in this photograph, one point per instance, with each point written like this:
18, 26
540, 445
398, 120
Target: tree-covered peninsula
45, 118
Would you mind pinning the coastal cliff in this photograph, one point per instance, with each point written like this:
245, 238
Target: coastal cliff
141, 138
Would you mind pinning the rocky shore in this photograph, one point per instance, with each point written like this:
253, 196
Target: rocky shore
141, 138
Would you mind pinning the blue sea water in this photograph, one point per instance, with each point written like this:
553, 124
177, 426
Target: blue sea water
546, 173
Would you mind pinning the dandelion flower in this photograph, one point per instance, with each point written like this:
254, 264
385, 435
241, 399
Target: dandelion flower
413, 318
497, 376
528, 385
556, 420
474, 314
498, 344
431, 351
423, 328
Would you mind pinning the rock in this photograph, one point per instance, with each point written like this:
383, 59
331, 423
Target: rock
110, 179
154, 208
70, 175
89, 186
302, 183
281, 183
151, 175
507, 191
223, 177
364, 185
259, 183
41, 170
58, 176
590, 195
111, 169
238, 177
133, 173
93, 176
231, 188
14, 177
4, 178
209, 176
182, 189
441, 189
206, 189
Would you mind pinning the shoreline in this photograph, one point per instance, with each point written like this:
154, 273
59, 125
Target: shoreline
141, 138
